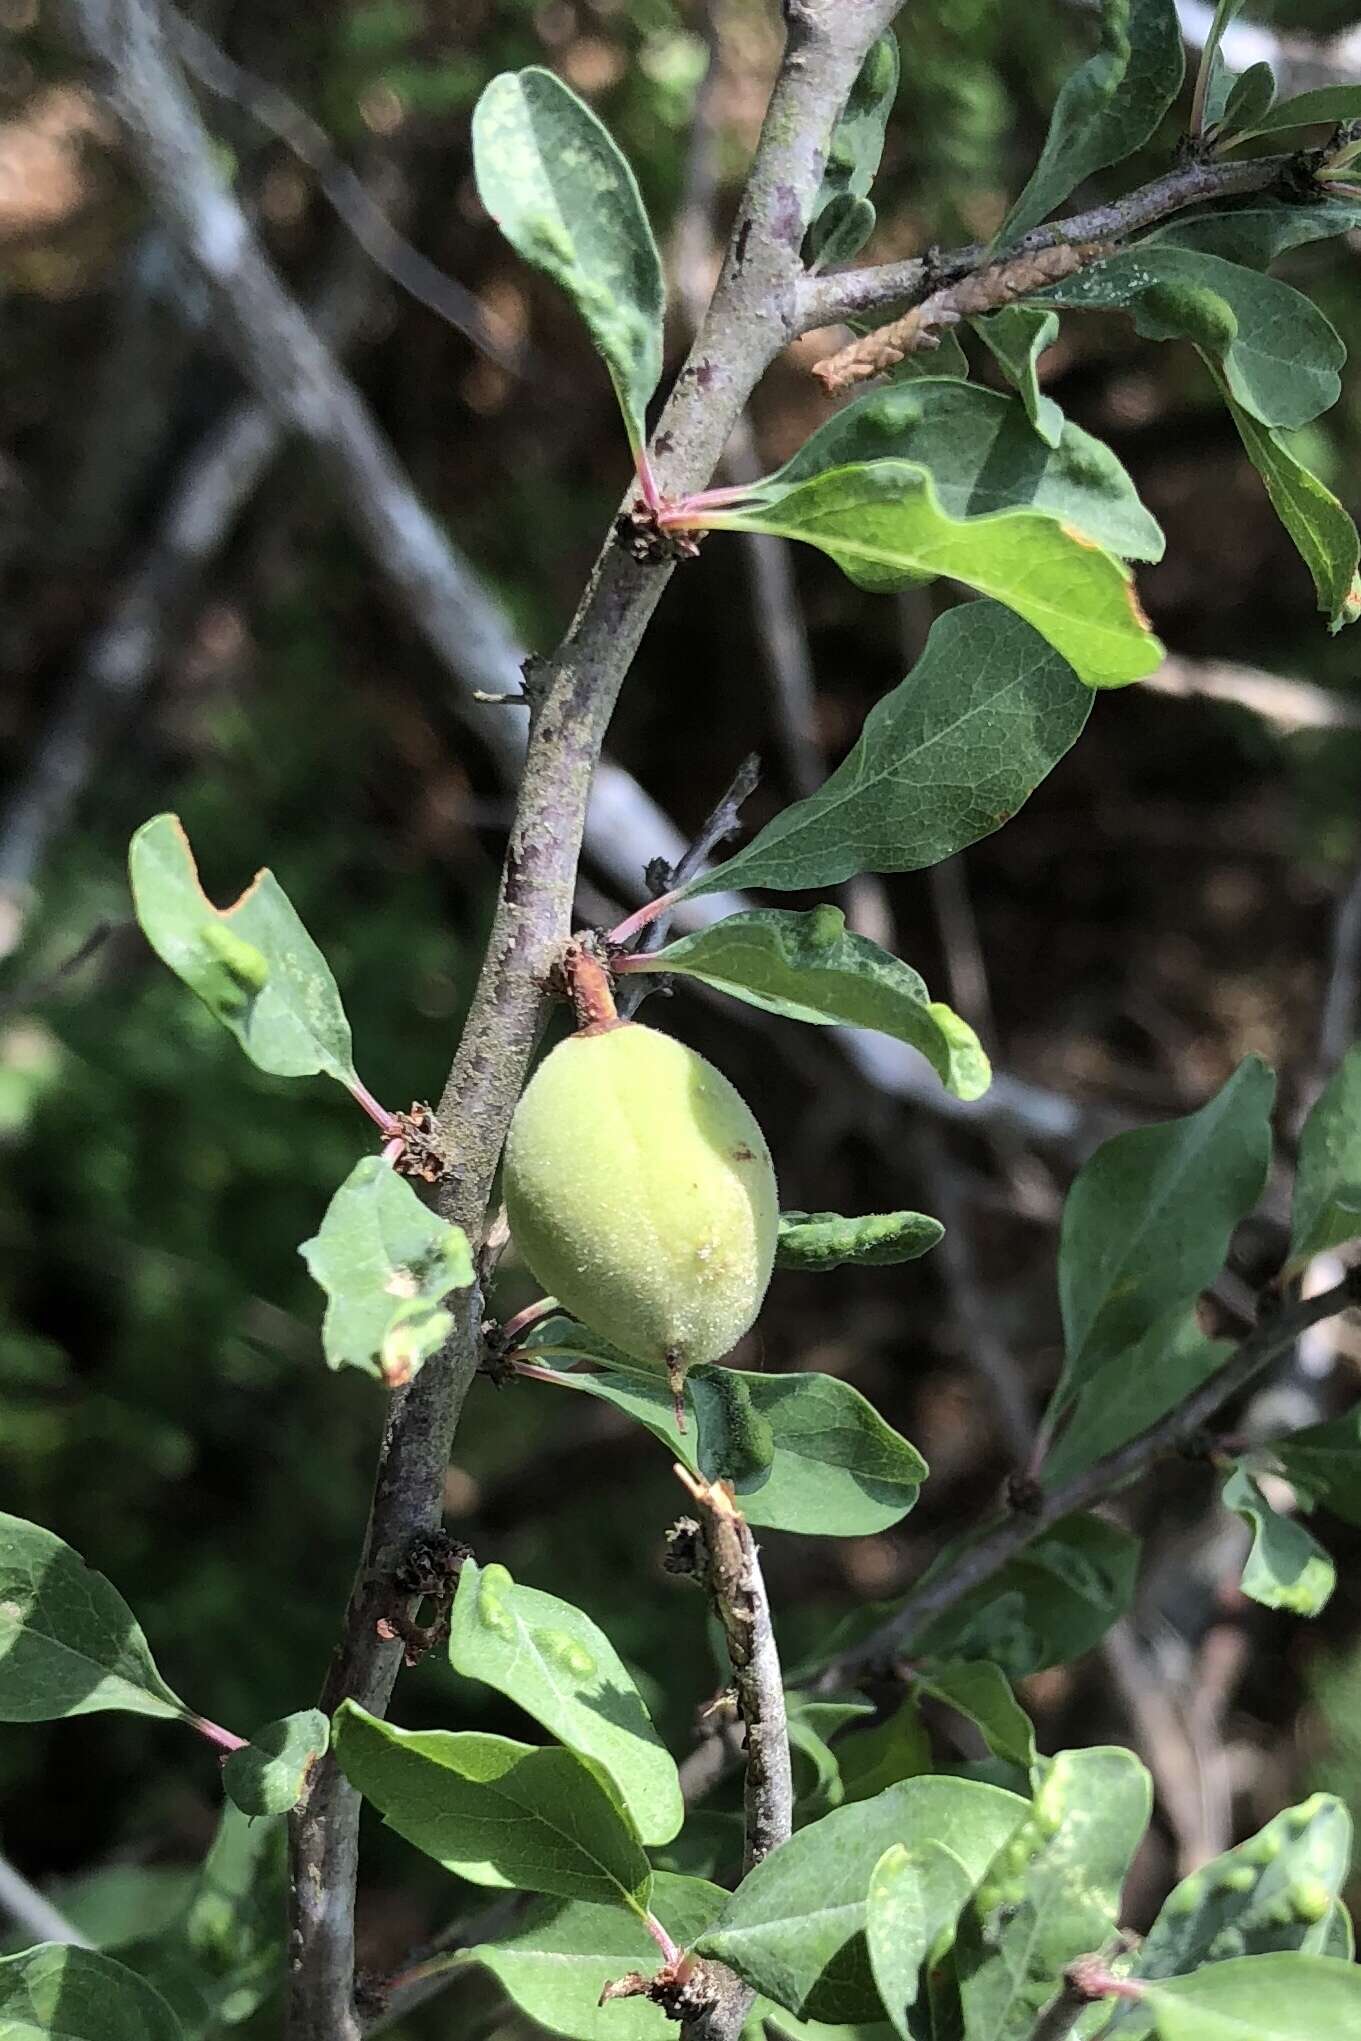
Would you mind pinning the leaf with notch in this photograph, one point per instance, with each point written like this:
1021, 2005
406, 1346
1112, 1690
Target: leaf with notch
557, 1665
1327, 1202
808, 967
270, 1775
1261, 1998
1147, 1222
884, 525
253, 964
843, 218
1016, 337
1107, 108
948, 756
386, 1262
795, 1927
74, 1994
825, 1240
496, 1812
915, 1897
1286, 1568
69, 1643
553, 180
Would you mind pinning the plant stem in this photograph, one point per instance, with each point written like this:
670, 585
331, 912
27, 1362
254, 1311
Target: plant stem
639, 919
661, 1938
213, 1733
386, 1122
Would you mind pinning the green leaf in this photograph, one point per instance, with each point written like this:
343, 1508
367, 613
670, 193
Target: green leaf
253, 964
224, 1955
1271, 1894
843, 218
1250, 97
824, 1240
1054, 1893
981, 1692
556, 185
1016, 337
808, 967
271, 1773
1147, 1222
893, 1750
1286, 1568
1122, 1396
1256, 230
1324, 534
557, 1665
1213, 81
57, 1993
1277, 353
555, 1958
836, 1471
69, 1643
1324, 1463
1326, 103
1327, 1202
496, 1812
915, 1897
1261, 1998
385, 1261
948, 756
884, 525
1107, 108
983, 455
112, 1903
795, 1927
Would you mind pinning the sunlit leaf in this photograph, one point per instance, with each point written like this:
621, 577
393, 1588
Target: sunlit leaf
1261, 1998
915, 1897
1016, 337
825, 1240
270, 1775
1286, 1568
1327, 1202
71, 1994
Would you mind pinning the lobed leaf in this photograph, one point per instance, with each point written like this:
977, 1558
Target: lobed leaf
557, 1665
386, 1262
69, 1643
948, 756
809, 967
1286, 1567
556, 185
496, 1812
253, 964
884, 525
73, 1994
1326, 1211
270, 1775
825, 1240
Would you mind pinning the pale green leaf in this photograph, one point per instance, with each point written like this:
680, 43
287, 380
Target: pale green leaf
253, 964
914, 1899
556, 185
1261, 1998
557, 1665
1327, 1202
948, 756
795, 1927
1122, 1396
884, 525
270, 1775
1147, 1222
843, 218
496, 1812
1214, 81
826, 1240
981, 1693
1016, 337
386, 1262
69, 1643
58, 1993
1286, 1567
809, 967
1107, 108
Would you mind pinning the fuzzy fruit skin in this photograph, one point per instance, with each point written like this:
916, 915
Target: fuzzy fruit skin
639, 1190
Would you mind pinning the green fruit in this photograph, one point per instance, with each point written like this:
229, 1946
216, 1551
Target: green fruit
640, 1191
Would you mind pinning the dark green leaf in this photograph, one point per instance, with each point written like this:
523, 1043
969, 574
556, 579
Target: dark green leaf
795, 1927
557, 187
1214, 81
915, 1897
1327, 1203
1261, 1998
709, 1846
253, 964
113, 1903
1016, 337
224, 1955
1278, 354
1250, 97
1326, 103
1324, 1463
1134, 1388
947, 757
1107, 108
1052, 1602
69, 1643
1147, 1222
270, 1774
71, 1994
1286, 1568
981, 1692
843, 218
896, 1749
983, 454
825, 1240
385, 1261
808, 967
884, 525
836, 1471
556, 1957
1053, 1893
1257, 230
557, 1665
496, 1812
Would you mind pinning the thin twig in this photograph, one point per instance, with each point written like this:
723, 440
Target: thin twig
32, 1913
1338, 1021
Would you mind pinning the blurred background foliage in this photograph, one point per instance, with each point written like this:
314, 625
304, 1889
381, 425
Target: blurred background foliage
1163, 905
